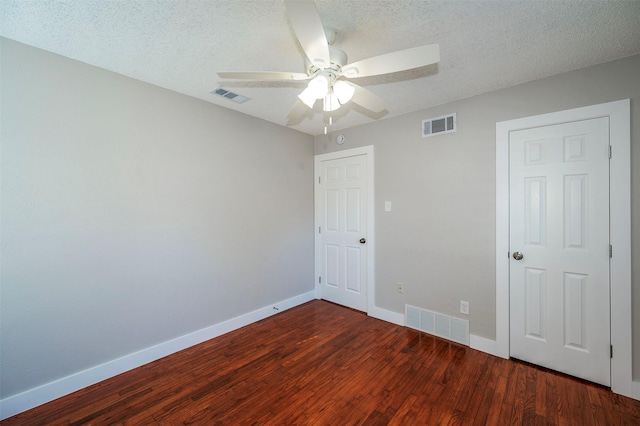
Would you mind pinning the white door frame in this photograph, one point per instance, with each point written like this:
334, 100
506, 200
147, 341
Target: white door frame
620, 229
370, 245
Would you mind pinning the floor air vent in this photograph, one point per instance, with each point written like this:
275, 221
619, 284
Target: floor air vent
229, 95
439, 125
440, 325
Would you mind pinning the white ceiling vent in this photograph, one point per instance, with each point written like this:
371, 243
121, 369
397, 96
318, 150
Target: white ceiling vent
230, 95
439, 125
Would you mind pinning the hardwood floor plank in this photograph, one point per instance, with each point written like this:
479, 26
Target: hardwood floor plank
477, 408
497, 399
320, 364
529, 407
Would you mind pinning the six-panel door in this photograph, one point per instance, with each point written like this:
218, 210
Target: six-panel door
559, 222
343, 231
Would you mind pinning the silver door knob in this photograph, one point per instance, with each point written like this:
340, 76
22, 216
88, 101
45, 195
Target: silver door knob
362, 241
517, 255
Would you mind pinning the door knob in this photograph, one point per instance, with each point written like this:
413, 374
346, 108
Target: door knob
362, 241
517, 255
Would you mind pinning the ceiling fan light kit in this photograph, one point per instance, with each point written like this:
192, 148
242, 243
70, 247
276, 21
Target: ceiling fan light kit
333, 95
308, 97
317, 88
330, 102
344, 91
326, 66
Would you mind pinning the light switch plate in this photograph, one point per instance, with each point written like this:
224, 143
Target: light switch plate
387, 206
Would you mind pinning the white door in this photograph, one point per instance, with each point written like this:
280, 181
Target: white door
559, 225
342, 231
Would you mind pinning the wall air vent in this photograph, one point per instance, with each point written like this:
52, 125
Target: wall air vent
229, 95
439, 125
440, 325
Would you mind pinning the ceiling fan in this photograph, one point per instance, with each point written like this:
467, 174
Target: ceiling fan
327, 69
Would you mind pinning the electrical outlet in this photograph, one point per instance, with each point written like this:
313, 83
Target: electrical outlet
400, 288
464, 307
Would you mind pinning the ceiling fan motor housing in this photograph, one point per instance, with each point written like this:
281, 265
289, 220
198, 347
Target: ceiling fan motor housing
338, 60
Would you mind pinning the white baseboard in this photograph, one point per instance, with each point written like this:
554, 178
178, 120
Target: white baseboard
48, 392
483, 344
385, 315
636, 390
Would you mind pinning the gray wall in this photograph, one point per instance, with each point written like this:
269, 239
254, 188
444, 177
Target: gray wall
131, 215
439, 238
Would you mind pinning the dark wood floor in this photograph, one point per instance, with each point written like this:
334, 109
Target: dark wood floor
322, 364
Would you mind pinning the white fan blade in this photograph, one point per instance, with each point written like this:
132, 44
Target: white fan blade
367, 99
267, 75
310, 32
298, 109
297, 113
393, 62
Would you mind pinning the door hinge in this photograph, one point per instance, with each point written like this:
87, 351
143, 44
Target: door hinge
320, 178
609, 151
319, 280
319, 229
611, 351
610, 251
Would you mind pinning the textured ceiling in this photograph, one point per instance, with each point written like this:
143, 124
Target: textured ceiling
181, 45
